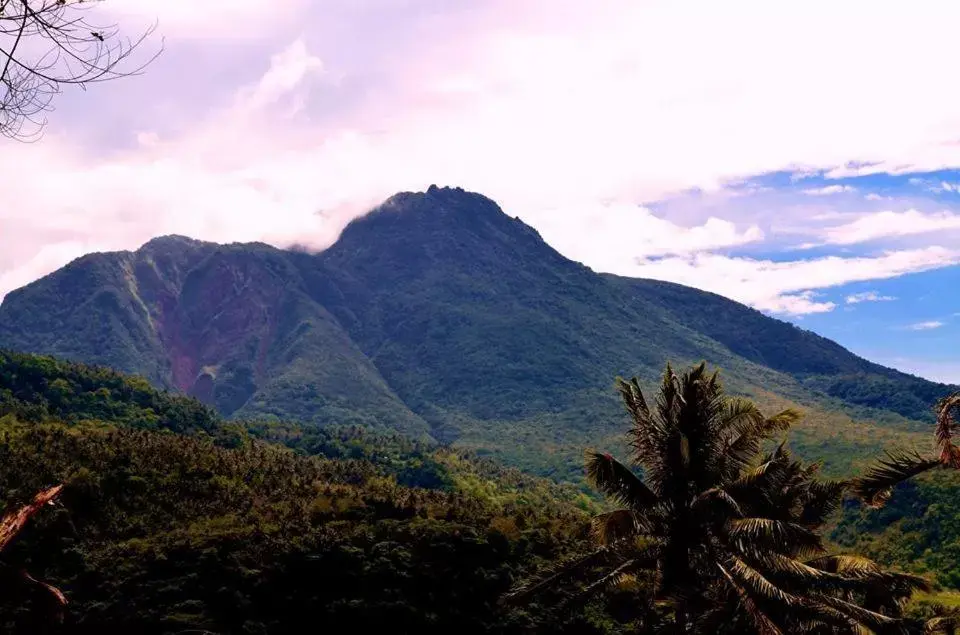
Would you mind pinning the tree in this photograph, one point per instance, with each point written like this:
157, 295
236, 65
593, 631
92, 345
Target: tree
48, 44
939, 619
11, 524
876, 486
720, 541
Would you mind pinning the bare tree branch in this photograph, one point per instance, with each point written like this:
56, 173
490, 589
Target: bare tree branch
48, 44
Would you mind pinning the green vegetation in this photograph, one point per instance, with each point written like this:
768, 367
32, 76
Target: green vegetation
918, 529
172, 519
160, 533
214, 529
819, 364
440, 317
717, 540
38, 388
436, 318
914, 522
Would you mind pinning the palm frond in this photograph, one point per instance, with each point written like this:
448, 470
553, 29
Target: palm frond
863, 571
876, 622
845, 564
611, 527
752, 476
617, 481
551, 578
760, 584
633, 398
820, 500
782, 421
875, 487
606, 581
762, 622
946, 425
757, 534
946, 621
716, 496
741, 414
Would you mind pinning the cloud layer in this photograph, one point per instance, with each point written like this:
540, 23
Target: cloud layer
282, 125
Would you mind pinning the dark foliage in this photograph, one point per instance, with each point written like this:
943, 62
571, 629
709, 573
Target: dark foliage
919, 525
215, 530
722, 540
38, 388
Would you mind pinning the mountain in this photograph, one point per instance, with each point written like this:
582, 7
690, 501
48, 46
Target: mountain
440, 316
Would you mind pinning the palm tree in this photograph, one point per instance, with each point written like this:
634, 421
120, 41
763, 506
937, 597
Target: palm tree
719, 537
875, 487
938, 619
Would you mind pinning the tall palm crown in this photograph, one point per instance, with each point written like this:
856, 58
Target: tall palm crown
723, 537
876, 486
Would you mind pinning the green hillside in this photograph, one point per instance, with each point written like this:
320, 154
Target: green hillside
440, 316
210, 529
174, 520
38, 388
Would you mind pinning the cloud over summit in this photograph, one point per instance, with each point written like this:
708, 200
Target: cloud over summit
581, 120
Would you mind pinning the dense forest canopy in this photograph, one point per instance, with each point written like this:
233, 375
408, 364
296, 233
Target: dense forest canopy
173, 518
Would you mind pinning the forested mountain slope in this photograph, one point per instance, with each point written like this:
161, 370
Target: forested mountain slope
174, 521
440, 316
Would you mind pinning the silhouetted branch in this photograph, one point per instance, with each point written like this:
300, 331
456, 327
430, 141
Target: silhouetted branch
47, 44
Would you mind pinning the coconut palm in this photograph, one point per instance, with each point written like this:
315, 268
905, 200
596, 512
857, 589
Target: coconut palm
875, 487
716, 535
938, 619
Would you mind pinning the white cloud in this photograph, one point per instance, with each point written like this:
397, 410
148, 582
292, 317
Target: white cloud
944, 186
49, 258
872, 196
620, 233
868, 296
933, 185
889, 224
925, 326
288, 70
560, 111
789, 287
830, 190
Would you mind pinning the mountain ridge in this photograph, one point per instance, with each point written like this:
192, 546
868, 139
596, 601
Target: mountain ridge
437, 315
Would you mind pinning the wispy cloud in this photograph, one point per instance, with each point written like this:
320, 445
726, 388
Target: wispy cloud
789, 287
868, 296
889, 224
934, 185
925, 326
250, 146
829, 190
627, 232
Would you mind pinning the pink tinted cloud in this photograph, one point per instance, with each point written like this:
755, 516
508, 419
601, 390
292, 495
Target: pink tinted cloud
555, 109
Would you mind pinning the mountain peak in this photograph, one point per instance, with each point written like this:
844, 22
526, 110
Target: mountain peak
440, 199
445, 223
450, 208
172, 241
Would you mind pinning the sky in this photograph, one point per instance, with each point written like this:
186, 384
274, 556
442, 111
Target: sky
800, 157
